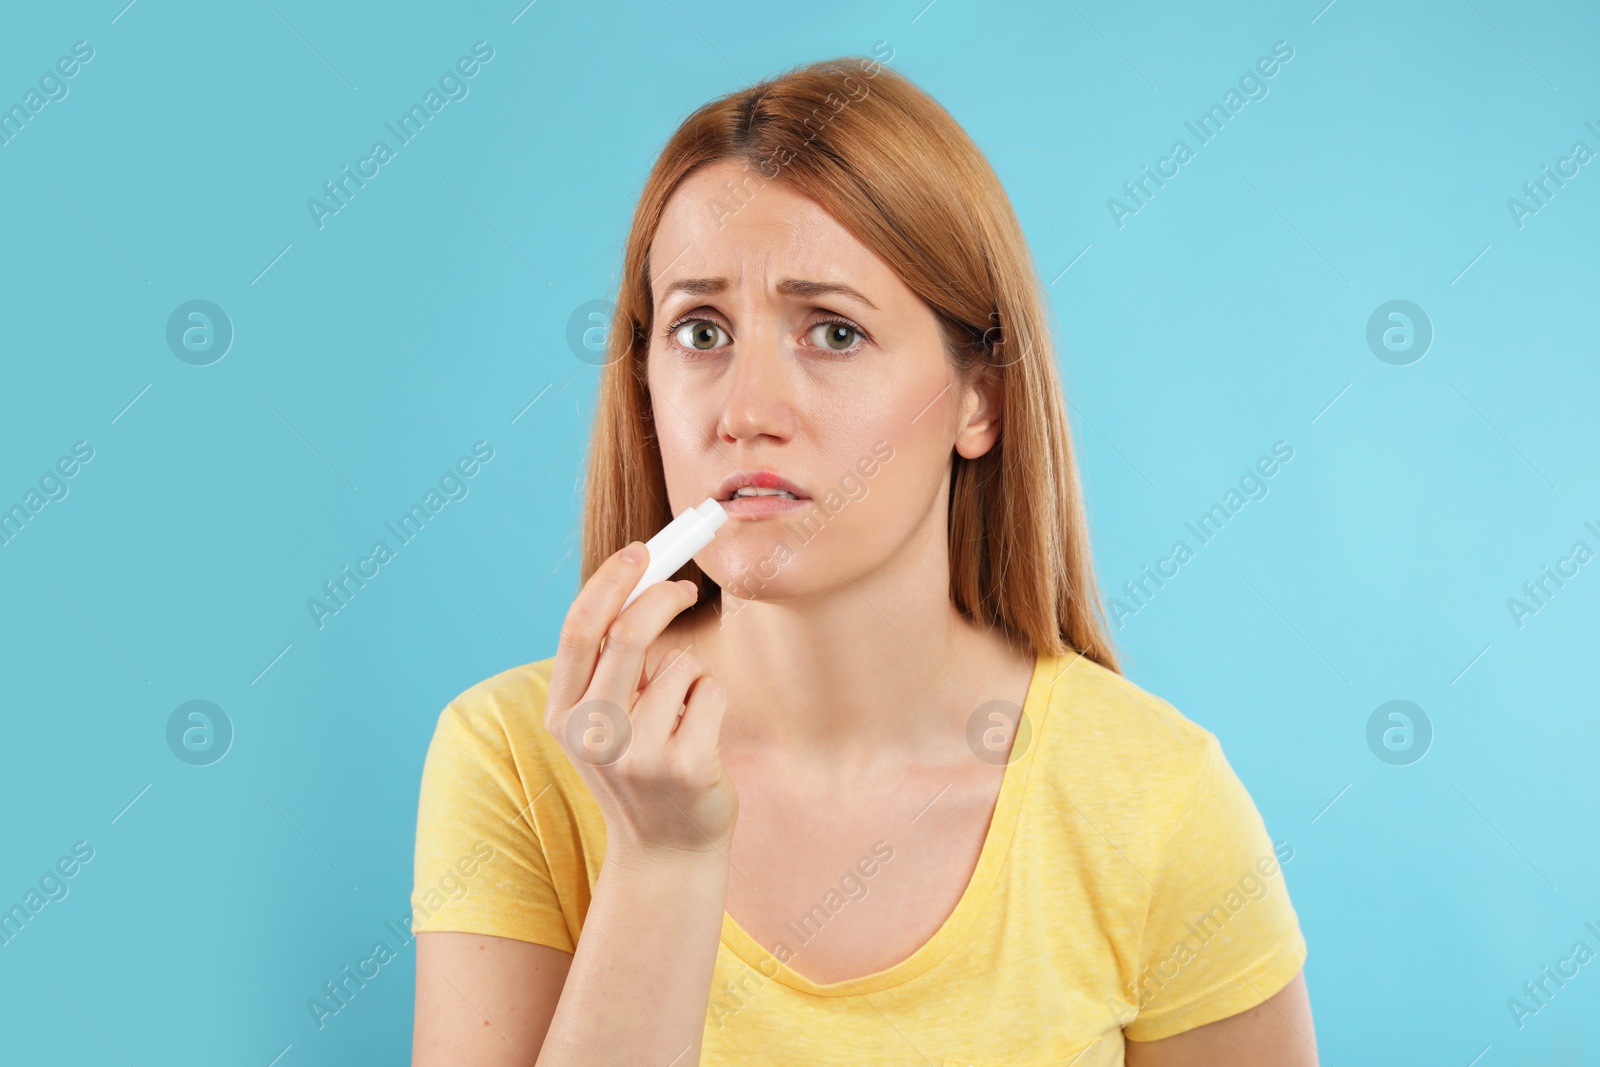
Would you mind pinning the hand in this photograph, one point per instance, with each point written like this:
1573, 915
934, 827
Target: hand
655, 773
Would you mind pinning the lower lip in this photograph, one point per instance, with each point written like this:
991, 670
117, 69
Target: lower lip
761, 507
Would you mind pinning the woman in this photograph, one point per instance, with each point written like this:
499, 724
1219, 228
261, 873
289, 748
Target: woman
865, 785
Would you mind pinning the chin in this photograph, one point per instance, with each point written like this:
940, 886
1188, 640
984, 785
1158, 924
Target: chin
760, 580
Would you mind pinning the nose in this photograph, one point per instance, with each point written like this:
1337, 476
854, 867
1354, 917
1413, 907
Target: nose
759, 397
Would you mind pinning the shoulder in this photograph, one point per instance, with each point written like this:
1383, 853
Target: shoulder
503, 836
500, 720
491, 751
1165, 848
509, 693
1097, 715
1115, 755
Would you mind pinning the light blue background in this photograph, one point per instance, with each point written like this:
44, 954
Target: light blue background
369, 355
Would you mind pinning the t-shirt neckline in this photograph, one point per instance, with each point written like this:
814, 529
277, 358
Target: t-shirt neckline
991, 858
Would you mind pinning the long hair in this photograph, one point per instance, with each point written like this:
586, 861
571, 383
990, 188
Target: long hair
898, 172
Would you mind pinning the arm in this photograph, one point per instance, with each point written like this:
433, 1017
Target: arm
641, 979
634, 992
483, 1001
636, 985
1275, 1033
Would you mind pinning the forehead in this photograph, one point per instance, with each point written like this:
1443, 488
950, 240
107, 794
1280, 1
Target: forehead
723, 221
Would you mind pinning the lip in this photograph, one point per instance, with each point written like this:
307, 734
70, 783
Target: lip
762, 507
759, 479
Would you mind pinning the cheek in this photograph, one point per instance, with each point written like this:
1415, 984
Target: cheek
886, 457
910, 420
681, 418
674, 434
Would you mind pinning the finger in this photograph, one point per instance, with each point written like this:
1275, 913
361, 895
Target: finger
592, 611
622, 658
655, 714
700, 727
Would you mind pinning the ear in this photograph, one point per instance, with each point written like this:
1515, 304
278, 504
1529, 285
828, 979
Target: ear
981, 402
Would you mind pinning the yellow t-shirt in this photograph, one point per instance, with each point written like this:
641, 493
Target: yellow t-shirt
1127, 885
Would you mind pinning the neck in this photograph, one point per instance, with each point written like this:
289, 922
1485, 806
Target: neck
877, 671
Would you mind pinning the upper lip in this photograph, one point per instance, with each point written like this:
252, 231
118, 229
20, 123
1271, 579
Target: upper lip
760, 479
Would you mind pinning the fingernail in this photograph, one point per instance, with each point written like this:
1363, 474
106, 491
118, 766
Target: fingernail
634, 552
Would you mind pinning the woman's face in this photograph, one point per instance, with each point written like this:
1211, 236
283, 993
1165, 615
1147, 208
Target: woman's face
781, 343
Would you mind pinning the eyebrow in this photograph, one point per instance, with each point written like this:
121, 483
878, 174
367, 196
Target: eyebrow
786, 286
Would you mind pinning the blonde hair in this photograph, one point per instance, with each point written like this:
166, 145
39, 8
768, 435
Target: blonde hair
897, 171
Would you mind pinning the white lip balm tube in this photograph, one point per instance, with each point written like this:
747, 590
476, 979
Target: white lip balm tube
676, 542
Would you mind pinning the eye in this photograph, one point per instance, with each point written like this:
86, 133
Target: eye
837, 335
697, 335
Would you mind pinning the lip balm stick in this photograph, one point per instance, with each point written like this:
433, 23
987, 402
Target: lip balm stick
676, 542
